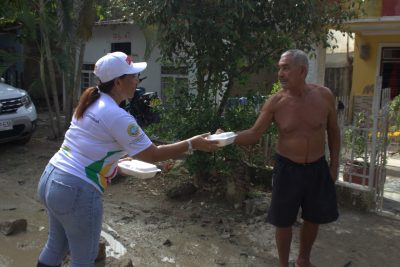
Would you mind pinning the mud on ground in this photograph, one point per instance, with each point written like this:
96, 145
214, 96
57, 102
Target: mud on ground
199, 230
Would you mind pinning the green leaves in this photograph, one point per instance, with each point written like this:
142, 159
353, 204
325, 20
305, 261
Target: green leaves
224, 42
184, 114
394, 112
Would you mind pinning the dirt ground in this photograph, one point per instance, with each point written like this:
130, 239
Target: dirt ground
200, 230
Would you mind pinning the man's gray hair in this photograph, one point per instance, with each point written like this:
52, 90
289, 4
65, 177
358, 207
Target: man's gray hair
299, 57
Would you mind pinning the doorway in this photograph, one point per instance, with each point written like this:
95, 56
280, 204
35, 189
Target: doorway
390, 70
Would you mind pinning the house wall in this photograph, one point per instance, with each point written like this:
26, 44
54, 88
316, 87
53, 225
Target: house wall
334, 62
100, 44
338, 63
341, 44
104, 35
365, 70
316, 66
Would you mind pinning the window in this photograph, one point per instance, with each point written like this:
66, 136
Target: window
173, 79
123, 47
390, 70
88, 78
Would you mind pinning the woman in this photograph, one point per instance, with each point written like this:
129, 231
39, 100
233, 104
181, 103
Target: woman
101, 133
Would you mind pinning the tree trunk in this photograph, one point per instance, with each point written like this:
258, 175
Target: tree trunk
51, 69
69, 73
81, 24
46, 95
77, 83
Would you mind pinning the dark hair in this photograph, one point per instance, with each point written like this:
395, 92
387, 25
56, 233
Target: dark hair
90, 95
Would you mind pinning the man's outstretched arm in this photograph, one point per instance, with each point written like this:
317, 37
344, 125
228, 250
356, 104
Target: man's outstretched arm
252, 135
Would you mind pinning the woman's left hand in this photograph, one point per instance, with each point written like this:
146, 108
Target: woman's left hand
200, 142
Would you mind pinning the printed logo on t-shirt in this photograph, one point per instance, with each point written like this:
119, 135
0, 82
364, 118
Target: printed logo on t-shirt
138, 139
133, 130
99, 171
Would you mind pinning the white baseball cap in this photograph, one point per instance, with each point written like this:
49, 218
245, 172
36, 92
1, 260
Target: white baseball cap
116, 64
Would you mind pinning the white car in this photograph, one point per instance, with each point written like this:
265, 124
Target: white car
17, 115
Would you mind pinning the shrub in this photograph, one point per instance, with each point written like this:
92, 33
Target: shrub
184, 115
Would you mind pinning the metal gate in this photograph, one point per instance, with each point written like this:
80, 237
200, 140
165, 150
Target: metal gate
364, 145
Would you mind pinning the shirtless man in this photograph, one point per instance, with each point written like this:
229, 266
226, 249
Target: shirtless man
302, 178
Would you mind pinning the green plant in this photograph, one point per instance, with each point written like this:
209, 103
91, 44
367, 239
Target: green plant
356, 138
261, 153
394, 114
182, 116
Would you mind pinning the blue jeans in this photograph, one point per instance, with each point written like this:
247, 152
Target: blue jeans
75, 212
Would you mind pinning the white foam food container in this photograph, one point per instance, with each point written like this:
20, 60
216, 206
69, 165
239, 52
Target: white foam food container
224, 139
139, 169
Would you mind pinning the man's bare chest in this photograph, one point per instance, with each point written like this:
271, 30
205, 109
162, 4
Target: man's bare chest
305, 115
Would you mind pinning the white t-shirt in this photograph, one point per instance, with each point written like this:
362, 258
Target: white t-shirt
93, 144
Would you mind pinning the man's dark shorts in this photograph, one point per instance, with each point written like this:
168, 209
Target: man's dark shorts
308, 186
